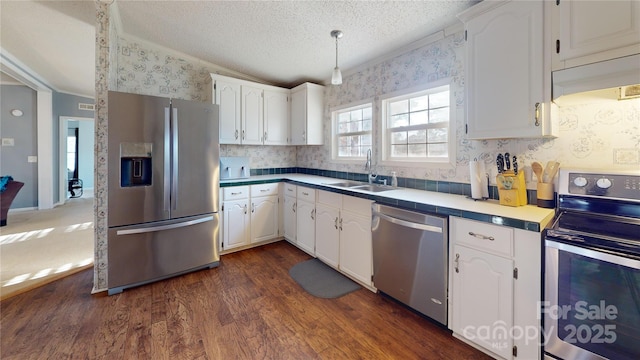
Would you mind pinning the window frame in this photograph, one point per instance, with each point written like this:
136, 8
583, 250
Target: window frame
385, 138
335, 112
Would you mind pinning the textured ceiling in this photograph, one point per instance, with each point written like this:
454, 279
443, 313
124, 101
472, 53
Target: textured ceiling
281, 42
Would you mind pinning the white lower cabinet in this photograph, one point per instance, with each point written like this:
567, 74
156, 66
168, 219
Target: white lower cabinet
482, 298
236, 217
494, 284
328, 234
250, 215
355, 246
264, 212
306, 220
343, 234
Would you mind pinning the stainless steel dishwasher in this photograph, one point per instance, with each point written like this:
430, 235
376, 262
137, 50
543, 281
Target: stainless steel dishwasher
410, 258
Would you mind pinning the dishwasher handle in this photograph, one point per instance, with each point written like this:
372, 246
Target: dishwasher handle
408, 224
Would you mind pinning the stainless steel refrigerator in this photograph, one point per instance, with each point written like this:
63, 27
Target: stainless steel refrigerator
163, 188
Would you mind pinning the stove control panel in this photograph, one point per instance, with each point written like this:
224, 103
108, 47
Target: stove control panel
618, 186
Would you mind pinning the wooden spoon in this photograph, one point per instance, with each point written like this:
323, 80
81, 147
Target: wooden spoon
537, 169
553, 170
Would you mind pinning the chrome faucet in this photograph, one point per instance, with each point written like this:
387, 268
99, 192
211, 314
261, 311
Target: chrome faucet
367, 166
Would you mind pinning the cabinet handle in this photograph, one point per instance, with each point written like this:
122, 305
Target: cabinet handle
340, 224
480, 236
236, 134
265, 136
236, 193
537, 109
242, 134
245, 208
253, 207
264, 190
335, 223
289, 189
295, 207
313, 214
457, 263
305, 193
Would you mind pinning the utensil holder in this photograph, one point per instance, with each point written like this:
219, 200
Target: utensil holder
545, 195
512, 189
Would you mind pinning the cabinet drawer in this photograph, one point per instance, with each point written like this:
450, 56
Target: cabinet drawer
357, 205
264, 189
236, 192
307, 194
289, 189
330, 198
483, 236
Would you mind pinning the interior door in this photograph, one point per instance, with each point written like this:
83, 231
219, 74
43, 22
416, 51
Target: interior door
195, 158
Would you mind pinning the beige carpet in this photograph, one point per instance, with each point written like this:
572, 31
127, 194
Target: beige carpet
40, 246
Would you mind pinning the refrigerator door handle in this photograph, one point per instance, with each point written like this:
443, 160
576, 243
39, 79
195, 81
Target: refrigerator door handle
149, 229
174, 154
167, 159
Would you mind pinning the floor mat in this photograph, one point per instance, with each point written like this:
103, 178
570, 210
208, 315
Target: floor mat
320, 280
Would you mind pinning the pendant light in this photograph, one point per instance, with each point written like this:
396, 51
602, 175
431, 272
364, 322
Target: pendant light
336, 77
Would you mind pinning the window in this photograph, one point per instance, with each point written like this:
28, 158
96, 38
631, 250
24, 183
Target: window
352, 132
417, 127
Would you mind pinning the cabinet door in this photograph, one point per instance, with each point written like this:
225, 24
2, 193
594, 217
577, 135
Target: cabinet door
505, 72
228, 98
592, 27
236, 223
306, 237
264, 218
327, 234
276, 117
252, 131
290, 218
483, 299
299, 117
355, 246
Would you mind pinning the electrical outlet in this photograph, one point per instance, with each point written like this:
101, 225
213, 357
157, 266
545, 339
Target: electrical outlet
7, 142
32, 159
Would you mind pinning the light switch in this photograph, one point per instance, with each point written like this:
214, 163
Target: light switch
32, 159
7, 142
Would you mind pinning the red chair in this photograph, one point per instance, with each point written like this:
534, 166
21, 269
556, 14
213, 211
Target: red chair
6, 198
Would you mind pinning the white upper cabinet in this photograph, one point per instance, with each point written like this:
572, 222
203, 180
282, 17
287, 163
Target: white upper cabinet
252, 133
227, 96
276, 117
592, 31
249, 112
307, 103
508, 73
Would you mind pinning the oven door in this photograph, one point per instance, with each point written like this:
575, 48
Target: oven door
592, 303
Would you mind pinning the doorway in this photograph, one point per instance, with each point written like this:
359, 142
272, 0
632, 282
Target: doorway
77, 139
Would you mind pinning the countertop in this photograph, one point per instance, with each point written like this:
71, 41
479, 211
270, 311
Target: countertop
528, 217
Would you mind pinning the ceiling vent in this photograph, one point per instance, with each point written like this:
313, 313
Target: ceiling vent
90, 107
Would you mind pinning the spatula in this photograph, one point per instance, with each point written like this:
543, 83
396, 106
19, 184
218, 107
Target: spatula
537, 169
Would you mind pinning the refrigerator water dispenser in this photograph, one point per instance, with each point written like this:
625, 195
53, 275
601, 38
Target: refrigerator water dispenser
135, 164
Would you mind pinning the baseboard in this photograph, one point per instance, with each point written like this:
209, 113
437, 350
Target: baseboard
22, 209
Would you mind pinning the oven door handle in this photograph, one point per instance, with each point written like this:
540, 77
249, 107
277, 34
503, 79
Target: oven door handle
618, 259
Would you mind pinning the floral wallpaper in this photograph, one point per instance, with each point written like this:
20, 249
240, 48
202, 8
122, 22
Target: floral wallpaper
597, 135
603, 135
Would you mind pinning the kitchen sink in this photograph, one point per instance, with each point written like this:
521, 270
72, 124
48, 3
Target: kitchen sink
373, 187
347, 184
358, 185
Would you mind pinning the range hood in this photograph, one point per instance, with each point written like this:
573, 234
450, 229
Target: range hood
615, 79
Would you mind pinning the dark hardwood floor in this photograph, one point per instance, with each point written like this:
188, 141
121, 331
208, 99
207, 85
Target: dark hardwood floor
248, 308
